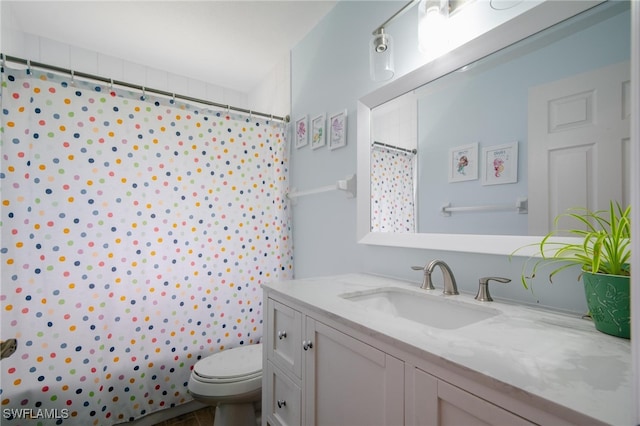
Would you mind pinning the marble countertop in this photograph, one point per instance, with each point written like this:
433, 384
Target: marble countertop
556, 357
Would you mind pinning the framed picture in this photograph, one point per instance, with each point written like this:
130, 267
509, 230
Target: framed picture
302, 132
318, 138
338, 130
500, 164
463, 163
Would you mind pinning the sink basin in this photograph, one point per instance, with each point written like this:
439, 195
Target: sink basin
428, 309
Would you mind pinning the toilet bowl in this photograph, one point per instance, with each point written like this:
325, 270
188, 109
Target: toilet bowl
231, 381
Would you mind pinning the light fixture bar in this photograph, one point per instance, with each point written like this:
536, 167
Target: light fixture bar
394, 16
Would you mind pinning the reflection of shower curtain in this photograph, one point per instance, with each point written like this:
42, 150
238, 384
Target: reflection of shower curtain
392, 190
136, 235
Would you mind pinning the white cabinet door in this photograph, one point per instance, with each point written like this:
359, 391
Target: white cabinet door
457, 407
347, 382
435, 402
578, 144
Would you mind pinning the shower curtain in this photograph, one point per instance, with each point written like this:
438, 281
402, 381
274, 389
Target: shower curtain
393, 174
136, 234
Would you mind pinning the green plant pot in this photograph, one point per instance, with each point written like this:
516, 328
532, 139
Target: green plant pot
609, 302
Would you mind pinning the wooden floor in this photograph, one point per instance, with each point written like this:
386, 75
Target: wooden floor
202, 417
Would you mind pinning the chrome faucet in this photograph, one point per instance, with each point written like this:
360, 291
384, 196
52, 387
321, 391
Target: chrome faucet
450, 287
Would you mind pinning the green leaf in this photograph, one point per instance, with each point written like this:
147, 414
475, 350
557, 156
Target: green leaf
605, 247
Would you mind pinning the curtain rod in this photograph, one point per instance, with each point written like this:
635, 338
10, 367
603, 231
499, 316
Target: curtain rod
72, 73
411, 151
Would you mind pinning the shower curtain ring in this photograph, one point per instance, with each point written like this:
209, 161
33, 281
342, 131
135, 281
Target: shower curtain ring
144, 95
28, 66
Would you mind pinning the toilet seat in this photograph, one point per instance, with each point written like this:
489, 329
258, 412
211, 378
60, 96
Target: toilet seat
239, 363
234, 371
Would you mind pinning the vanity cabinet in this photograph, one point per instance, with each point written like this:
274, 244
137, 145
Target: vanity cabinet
321, 371
316, 374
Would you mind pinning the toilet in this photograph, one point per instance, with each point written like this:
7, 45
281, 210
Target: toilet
231, 381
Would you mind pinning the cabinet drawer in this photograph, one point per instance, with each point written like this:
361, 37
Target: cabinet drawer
285, 337
283, 399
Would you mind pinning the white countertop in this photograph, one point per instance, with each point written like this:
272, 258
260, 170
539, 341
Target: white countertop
556, 357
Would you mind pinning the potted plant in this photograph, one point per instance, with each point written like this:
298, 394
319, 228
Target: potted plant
603, 253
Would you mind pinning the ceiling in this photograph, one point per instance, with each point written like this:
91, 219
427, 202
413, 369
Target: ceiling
229, 43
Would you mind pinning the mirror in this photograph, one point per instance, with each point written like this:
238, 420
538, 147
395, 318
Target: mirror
455, 135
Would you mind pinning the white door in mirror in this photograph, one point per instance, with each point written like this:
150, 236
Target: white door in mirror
578, 144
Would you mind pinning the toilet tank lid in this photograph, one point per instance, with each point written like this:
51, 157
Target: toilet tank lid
238, 362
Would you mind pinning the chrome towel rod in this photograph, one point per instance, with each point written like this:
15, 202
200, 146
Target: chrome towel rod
143, 89
521, 206
348, 185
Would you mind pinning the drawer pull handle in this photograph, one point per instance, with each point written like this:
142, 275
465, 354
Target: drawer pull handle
306, 345
282, 403
282, 335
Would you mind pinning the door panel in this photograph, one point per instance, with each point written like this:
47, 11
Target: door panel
349, 382
457, 407
578, 139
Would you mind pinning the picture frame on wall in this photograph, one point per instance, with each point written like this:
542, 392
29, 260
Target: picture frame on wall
338, 130
302, 131
463, 163
500, 164
318, 136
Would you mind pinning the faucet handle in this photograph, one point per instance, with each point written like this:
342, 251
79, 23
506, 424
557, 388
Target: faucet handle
483, 288
426, 281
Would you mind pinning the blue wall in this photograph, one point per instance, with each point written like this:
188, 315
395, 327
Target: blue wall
330, 72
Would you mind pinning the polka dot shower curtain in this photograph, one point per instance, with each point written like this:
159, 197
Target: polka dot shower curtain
136, 234
392, 190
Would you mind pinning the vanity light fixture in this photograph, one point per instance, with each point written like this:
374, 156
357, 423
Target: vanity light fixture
432, 36
432, 27
381, 56
381, 48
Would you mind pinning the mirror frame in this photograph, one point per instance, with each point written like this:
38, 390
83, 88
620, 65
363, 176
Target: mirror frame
532, 21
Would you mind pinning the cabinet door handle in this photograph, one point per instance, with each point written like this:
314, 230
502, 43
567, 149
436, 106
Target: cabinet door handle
306, 345
282, 335
282, 403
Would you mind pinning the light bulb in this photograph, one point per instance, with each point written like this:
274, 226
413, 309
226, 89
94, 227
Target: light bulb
433, 38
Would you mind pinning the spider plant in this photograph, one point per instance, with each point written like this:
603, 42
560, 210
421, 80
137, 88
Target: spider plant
603, 246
